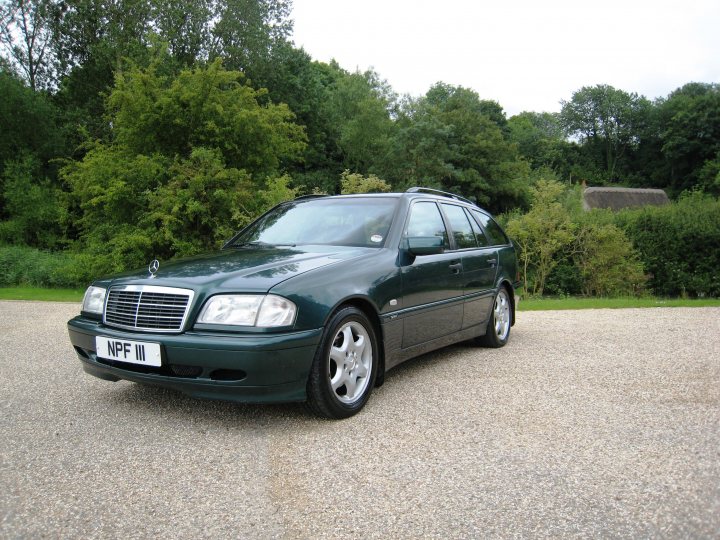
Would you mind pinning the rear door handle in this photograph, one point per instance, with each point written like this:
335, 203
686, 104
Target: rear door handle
492, 262
456, 267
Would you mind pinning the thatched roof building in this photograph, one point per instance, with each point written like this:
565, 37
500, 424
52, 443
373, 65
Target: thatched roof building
617, 198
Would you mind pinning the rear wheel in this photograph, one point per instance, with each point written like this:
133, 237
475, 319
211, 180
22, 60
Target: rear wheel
498, 328
345, 366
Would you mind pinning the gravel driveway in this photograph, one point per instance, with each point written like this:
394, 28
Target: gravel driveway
591, 424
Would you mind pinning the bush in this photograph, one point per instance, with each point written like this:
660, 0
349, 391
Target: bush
564, 280
541, 235
563, 250
32, 267
679, 244
357, 183
606, 261
30, 205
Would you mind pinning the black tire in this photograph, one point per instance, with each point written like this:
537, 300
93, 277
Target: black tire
341, 394
497, 332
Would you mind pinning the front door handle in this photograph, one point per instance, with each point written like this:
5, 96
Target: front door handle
492, 262
456, 267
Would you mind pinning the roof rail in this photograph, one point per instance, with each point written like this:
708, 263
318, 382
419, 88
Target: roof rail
310, 196
438, 192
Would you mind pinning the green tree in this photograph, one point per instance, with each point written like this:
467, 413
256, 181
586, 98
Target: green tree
207, 107
689, 124
25, 38
92, 39
277, 190
30, 139
185, 25
360, 106
190, 159
540, 139
709, 176
679, 244
452, 139
292, 77
245, 32
202, 204
28, 121
608, 122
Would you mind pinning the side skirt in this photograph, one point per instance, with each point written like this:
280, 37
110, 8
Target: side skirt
398, 356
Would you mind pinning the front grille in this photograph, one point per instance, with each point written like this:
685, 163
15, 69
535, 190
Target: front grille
148, 308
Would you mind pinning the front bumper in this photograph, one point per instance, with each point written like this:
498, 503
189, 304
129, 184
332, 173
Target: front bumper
258, 368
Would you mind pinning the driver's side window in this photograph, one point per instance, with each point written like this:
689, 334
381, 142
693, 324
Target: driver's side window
425, 221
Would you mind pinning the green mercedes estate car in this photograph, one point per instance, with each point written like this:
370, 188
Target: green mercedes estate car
314, 301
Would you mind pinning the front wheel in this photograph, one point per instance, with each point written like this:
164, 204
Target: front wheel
345, 366
498, 328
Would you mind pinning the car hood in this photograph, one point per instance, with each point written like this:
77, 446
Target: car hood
251, 269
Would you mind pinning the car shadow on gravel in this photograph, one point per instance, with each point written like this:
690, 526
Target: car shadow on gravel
132, 398
176, 406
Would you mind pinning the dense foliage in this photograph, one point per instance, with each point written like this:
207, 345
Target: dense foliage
145, 128
565, 251
671, 250
679, 245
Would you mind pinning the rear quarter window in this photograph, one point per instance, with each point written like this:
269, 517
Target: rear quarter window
495, 234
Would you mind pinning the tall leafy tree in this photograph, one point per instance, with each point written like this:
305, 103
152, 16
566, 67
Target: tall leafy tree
92, 39
306, 86
185, 25
607, 122
244, 32
25, 39
28, 121
29, 199
95, 38
450, 138
30, 140
538, 136
360, 108
348, 117
689, 134
203, 107
187, 161
421, 149
541, 140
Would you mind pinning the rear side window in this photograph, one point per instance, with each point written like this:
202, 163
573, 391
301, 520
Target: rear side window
461, 228
479, 235
494, 233
425, 220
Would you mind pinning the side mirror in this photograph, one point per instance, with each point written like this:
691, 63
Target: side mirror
425, 245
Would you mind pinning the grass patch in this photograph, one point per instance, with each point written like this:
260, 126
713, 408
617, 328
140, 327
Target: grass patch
541, 304
46, 295
533, 304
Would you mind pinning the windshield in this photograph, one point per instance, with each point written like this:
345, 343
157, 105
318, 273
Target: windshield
356, 221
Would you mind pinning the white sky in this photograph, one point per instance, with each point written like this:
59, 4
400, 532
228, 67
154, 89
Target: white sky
525, 54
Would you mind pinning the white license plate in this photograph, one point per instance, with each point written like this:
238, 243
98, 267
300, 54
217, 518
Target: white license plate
135, 352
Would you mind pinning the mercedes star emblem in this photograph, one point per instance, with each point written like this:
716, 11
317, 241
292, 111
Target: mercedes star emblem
154, 266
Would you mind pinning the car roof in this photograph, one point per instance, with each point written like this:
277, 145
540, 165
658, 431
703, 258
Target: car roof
411, 193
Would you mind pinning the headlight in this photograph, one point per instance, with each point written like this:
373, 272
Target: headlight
94, 300
248, 310
276, 311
